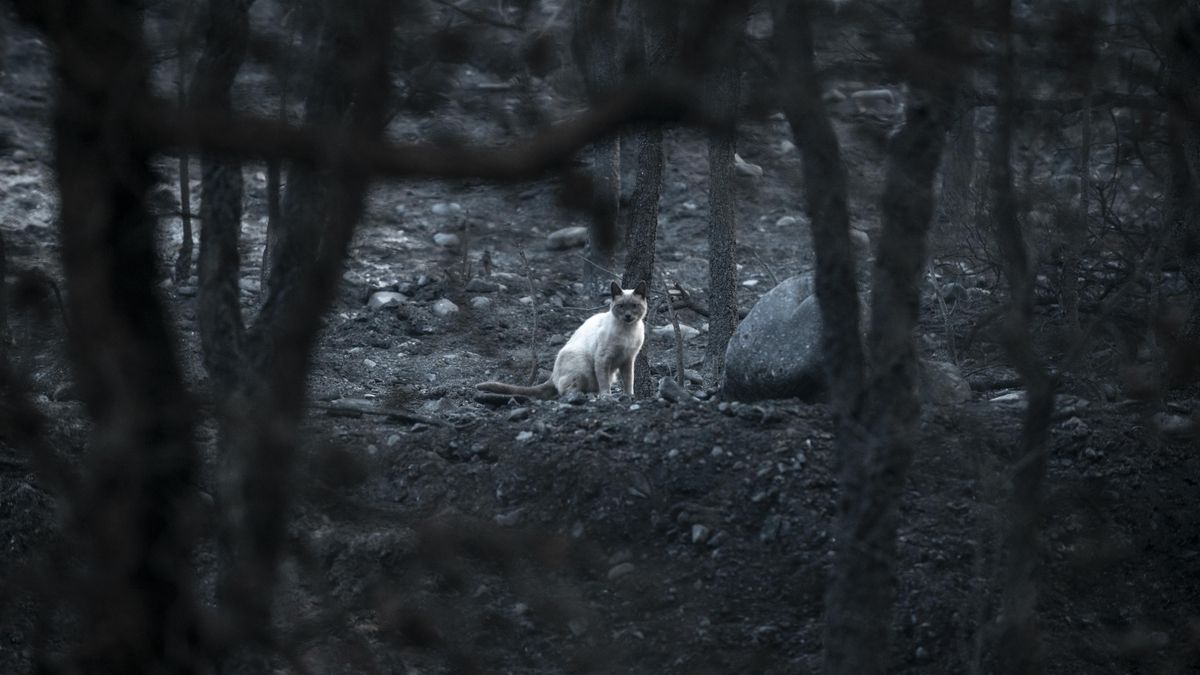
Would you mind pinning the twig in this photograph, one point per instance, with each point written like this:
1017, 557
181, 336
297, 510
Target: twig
602, 269
367, 409
533, 333
770, 273
679, 376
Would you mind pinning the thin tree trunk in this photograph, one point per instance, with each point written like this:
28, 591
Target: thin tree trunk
183, 261
594, 42
1019, 648
1181, 22
724, 74
321, 207
219, 301
131, 521
659, 28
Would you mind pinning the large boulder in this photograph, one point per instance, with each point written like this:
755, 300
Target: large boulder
776, 350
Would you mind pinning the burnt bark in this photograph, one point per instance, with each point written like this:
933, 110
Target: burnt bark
724, 86
219, 312
876, 424
129, 521
1018, 649
322, 206
594, 44
658, 23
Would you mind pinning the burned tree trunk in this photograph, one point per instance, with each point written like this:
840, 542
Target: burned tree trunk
322, 206
876, 425
724, 75
1018, 650
130, 518
594, 43
659, 29
219, 304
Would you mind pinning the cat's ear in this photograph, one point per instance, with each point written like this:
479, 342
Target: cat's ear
615, 289
640, 291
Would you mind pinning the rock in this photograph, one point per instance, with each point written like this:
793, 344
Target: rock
577, 398
620, 570
943, 384
478, 285
480, 302
669, 390
685, 331
786, 221
771, 528
444, 308
442, 208
525, 437
953, 292
699, 534
751, 283
786, 146
382, 299
693, 377
447, 240
1176, 426
775, 352
518, 414
567, 237
744, 168
861, 241
883, 102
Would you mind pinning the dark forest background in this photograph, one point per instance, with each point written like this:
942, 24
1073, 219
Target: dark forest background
255, 254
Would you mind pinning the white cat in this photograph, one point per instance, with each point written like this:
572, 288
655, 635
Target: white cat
603, 347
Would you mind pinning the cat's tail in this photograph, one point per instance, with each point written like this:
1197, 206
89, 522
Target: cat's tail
545, 390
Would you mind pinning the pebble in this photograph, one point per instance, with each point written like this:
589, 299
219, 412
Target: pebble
442, 208
744, 168
393, 440
699, 534
786, 221
567, 237
480, 302
381, 299
369, 363
518, 414
478, 285
621, 570
577, 398
525, 437
444, 308
669, 390
447, 240
685, 331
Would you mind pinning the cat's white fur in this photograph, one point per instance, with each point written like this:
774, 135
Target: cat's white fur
604, 347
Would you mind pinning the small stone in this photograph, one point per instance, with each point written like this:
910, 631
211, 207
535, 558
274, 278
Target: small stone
478, 285
861, 241
786, 147
717, 451
480, 302
577, 398
699, 534
525, 300
685, 331
447, 240
369, 363
771, 527
744, 168
621, 570
444, 308
786, 221
750, 283
509, 519
567, 237
669, 390
393, 440
382, 299
518, 414
1177, 426
440, 209
525, 437
921, 653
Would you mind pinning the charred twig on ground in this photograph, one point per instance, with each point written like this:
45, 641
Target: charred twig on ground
533, 332
601, 268
357, 409
759, 258
680, 378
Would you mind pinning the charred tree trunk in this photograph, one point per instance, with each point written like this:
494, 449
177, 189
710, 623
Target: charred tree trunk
130, 521
659, 29
724, 75
1181, 21
594, 43
219, 303
183, 261
1018, 650
322, 206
